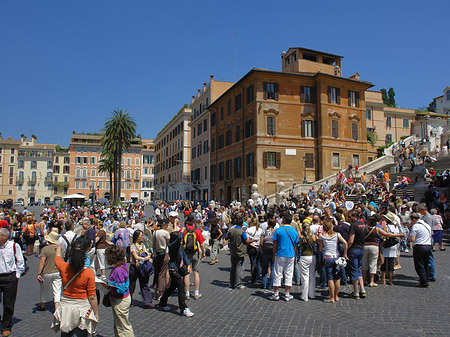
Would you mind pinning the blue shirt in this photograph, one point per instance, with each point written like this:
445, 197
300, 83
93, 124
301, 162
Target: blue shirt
286, 237
244, 236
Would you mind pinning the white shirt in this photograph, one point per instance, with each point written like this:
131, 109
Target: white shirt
8, 261
61, 242
391, 251
422, 232
255, 234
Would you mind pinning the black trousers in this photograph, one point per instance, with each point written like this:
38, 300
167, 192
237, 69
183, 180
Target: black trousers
421, 255
143, 281
176, 282
8, 288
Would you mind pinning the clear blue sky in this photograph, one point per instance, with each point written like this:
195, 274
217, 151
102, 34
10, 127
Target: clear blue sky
65, 65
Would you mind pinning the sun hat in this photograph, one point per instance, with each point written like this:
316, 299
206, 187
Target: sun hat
52, 237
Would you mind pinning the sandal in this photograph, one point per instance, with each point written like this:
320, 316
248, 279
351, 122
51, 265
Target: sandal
362, 294
212, 262
327, 301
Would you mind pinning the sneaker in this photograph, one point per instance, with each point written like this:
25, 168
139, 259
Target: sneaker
196, 297
406, 250
274, 297
187, 298
166, 308
289, 297
241, 286
362, 294
354, 295
187, 312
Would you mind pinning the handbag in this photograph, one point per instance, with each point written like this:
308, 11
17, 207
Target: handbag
388, 242
106, 299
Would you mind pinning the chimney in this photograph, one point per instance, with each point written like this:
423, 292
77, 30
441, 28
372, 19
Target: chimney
198, 93
204, 86
193, 99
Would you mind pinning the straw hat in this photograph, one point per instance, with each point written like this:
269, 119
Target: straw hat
52, 237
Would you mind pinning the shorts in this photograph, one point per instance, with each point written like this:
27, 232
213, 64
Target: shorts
283, 266
370, 258
333, 271
388, 264
195, 261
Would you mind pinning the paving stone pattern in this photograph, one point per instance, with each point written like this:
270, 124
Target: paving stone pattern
398, 310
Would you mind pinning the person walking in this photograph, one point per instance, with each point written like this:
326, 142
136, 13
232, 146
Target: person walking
420, 237
216, 235
161, 238
119, 295
308, 264
12, 266
179, 266
48, 275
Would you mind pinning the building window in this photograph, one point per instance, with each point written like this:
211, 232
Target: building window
389, 122
213, 144
334, 95
205, 146
33, 164
307, 94
221, 171
368, 114
220, 144
205, 124
237, 167
238, 133
92, 172
193, 152
334, 128
229, 107
228, 138
270, 90
199, 149
136, 174
448, 95
271, 126
309, 160
92, 160
388, 138
21, 164
249, 128
199, 129
213, 119
335, 160
250, 94
237, 102
228, 169
250, 164
213, 173
221, 113
405, 122
355, 131
308, 128
353, 99
355, 160
271, 159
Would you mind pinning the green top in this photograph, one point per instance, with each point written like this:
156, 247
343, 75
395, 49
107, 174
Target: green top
307, 245
236, 242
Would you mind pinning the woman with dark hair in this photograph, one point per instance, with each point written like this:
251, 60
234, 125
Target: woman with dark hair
266, 245
30, 234
216, 235
77, 314
16, 229
119, 291
139, 253
179, 266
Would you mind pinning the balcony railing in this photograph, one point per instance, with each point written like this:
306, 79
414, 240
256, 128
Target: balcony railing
32, 191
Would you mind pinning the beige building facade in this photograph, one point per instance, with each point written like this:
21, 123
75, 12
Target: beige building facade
148, 170
173, 161
200, 137
8, 168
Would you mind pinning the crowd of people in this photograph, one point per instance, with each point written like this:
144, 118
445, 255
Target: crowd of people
316, 233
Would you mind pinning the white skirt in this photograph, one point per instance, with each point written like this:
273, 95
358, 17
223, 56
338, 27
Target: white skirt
71, 314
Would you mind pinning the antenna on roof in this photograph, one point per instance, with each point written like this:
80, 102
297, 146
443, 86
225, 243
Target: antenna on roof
235, 57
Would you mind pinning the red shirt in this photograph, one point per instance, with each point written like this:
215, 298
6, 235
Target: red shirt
4, 224
198, 234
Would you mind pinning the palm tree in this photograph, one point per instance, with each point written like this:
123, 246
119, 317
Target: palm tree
118, 132
107, 166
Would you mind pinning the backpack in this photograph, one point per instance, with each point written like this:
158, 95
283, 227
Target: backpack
190, 241
268, 243
69, 246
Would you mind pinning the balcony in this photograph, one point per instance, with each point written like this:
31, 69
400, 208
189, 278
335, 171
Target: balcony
32, 191
19, 180
61, 183
48, 180
32, 180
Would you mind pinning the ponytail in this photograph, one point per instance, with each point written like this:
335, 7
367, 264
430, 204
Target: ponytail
79, 248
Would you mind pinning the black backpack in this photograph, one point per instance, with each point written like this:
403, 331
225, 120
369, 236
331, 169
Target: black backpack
268, 243
69, 247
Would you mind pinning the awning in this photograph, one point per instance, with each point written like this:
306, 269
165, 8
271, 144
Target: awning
134, 195
75, 196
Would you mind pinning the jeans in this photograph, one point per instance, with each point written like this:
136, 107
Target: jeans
308, 276
320, 266
333, 273
421, 255
215, 250
237, 267
266, 261
355, 258
431, 268
344, 269
255, 267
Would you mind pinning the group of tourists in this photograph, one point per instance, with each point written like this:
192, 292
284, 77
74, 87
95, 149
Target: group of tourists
319, 233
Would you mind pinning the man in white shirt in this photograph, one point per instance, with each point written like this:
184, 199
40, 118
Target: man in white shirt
420, 237
12, 267
67, 238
